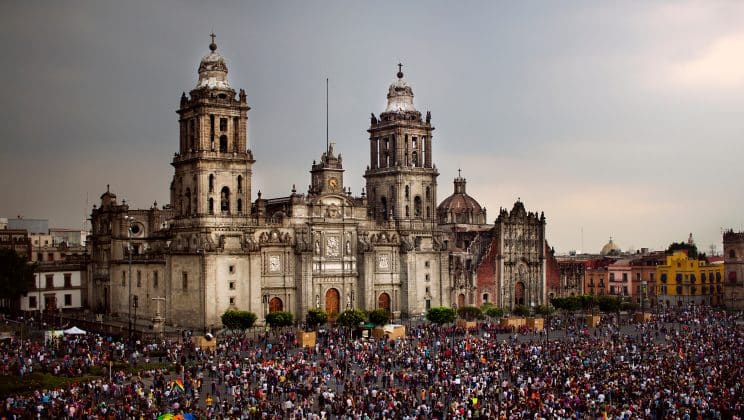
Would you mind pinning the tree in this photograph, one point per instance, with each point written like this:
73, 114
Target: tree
494, 311
470, 313
691, 249
379, 316
521, 310
351, 317
544, 310
316, 317
279, 319
608, 303
441, 315
238, 320
16, 278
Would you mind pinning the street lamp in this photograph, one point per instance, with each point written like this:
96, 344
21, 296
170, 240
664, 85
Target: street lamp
135, 303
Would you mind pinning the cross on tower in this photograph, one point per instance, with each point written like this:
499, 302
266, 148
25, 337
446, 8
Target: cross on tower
213, 36
459, 174
400, 67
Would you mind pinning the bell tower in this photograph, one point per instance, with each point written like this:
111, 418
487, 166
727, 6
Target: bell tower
401, 177
213, 166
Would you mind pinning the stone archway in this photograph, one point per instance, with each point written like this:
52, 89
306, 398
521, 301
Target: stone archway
519, 293
332, 302
276, 305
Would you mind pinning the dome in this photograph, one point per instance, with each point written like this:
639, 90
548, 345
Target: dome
400, 94
610, 248
460, 207
213, 70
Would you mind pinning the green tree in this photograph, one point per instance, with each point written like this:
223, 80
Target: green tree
238, 320
469, 313
544, 310
279, 319
316, 317
691, 249
351, 317
16, 278
379, 316
441, 315
494, 312
608, 303
521, 310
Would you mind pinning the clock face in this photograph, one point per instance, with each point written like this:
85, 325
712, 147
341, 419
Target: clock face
333, 183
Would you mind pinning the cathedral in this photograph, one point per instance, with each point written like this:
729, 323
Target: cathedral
214, 247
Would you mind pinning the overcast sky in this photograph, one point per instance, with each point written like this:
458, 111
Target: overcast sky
619, 119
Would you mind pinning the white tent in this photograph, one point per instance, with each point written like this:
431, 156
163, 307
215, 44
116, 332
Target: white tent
74, 331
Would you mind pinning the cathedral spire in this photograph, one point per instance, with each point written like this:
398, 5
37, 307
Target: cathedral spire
212, 46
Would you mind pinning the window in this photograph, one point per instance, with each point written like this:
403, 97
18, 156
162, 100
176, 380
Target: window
625, 277
428, 304
240, 183
408, 192
663, 277
732, 254
651, 276
485, 297
123, 278
718, 277
68, 300
612, 276
417, 206
32, 302
428, 289
211, 130
225, 200
638, 276
50, 256
231, 269
232, 285
211, 182
139, 278
427, 278
679, 290
223, 144
49, 281
692, 278
240, 205
428, 193
232, 300
154, 279
427, 264
210, 205
185, 280
68, 280
679, 278
223, 124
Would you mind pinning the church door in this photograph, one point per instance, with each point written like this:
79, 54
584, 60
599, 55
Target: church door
383, 302
332, 302
519, 293
276, 305
461, 300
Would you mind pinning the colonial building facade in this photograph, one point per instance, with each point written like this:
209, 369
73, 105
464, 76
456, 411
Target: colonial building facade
212, 248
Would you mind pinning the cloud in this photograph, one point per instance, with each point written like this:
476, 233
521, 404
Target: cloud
720, 65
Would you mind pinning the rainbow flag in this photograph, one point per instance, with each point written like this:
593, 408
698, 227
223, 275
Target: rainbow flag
177, 384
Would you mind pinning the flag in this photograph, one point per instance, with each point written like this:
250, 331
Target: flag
680, 354
177, 384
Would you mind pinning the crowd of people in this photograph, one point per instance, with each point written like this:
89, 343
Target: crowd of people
685, 366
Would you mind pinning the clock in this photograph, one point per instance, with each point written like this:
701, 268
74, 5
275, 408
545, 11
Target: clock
333, 183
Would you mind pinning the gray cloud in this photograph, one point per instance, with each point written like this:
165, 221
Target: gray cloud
575, 108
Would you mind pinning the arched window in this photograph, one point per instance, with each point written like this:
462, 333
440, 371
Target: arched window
225, 200
211, 182
240, 183
428, 193
408, 211
417, 206
408, 192
223, 144
210, 205
240, 205
414, 159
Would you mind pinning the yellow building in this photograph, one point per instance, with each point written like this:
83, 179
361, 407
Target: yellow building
684, 281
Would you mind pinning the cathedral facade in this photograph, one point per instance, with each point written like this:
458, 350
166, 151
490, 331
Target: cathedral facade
214, 248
